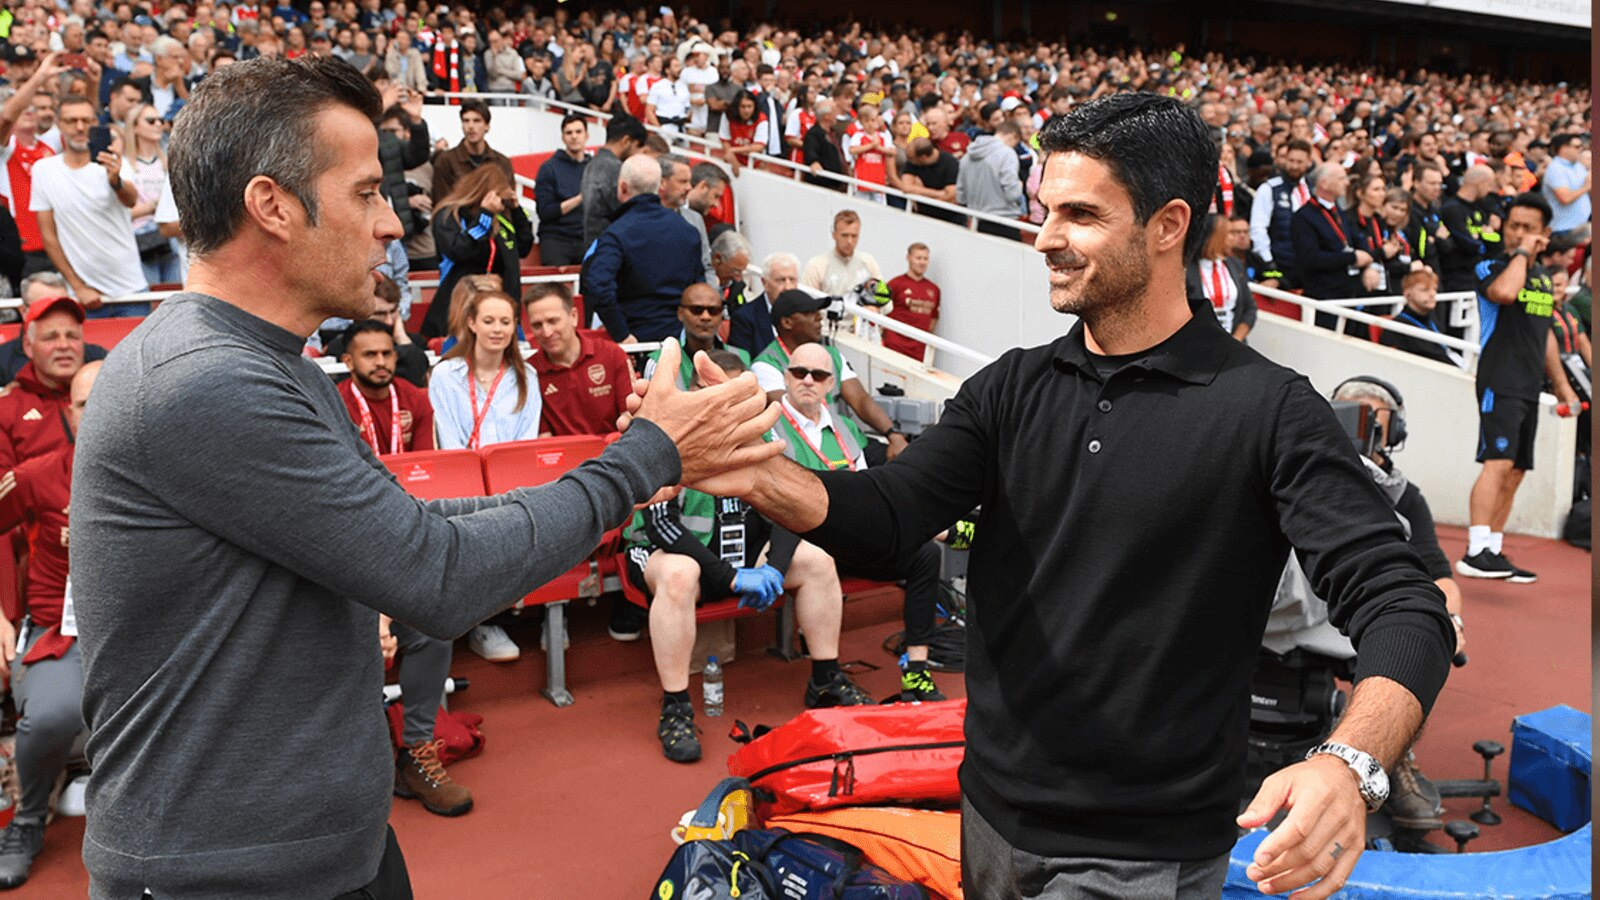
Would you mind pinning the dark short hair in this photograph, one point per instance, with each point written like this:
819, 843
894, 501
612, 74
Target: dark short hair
397, 113
1532, 200
365, 326
73, 100
387, 289
1297, 144
625, 127
543, 289
1562, 140
569, 118
474, 105
706, 172
125, 81
256, 118
1157, 149
726, 360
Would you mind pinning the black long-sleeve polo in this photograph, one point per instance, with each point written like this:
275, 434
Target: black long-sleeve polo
1131, 538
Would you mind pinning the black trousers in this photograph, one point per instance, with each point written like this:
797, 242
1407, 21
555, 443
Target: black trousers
393, 881
555, 250
921, 575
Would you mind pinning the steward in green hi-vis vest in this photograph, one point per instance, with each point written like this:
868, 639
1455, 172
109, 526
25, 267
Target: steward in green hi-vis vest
686, 360
777, 356
721, 534
840, 448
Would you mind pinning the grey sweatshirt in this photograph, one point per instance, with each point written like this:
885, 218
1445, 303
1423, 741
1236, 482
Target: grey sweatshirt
233, 544
988, 180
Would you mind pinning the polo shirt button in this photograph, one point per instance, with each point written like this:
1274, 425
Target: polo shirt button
1105, 406
1094, 446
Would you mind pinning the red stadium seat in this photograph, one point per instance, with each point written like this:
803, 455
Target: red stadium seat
438, 474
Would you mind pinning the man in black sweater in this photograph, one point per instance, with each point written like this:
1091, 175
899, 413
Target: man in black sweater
1142, 482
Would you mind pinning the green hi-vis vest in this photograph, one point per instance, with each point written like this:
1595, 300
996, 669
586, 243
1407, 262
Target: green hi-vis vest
840, 448
686, 363
778, 358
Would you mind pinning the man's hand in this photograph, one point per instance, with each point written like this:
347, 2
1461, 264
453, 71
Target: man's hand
492, 204
89, 297
8, 646
1443, 232
112, 160
758, 588
386, 640
421, 201
1534, 244
718, 428
389, 94
441, 144
1363, 259
1322, 836
897, 443
411, 102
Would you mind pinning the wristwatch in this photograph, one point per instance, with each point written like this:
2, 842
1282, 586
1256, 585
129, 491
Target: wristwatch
1520, 252
1374, 781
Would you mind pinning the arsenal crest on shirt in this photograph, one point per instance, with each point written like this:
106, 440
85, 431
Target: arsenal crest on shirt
597, 373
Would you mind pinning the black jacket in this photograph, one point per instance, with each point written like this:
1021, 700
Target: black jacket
1323, 256
819, 147
397, 156
1416, 345
464, 242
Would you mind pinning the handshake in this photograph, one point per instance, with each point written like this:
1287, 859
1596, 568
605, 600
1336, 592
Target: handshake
758, 588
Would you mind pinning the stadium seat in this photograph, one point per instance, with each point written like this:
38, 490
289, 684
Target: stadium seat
437, 474
533, 463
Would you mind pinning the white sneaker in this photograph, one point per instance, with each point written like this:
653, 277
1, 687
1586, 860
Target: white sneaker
71, 802
492, 643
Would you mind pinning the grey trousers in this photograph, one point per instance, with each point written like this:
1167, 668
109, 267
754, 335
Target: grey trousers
993, 869
423, 669
49, 697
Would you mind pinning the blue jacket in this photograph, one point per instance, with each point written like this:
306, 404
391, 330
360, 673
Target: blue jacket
560, 177
750, 326
638, 269
1323, 253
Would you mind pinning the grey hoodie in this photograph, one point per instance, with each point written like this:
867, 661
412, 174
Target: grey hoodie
988, 181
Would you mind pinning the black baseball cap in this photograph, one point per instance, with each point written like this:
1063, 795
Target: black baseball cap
20, 53
793, 302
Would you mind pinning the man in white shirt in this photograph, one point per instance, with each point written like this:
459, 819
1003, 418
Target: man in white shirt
840, 271
44, 112
667, 104
83, 207
699, 74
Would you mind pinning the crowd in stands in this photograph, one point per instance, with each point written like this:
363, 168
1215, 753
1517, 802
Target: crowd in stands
1337, 181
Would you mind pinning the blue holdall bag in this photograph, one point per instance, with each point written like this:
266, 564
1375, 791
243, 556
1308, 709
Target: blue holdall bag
776, 864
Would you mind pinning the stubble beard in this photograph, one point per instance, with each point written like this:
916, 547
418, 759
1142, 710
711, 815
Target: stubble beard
1114, 287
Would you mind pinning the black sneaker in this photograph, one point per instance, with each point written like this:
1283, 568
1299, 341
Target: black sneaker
20, 843
677, 733
1484, 564
917, 686
1519, 575
627, 620
838, 691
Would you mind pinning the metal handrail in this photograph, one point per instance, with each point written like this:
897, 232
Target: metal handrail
854, 185
1310, 305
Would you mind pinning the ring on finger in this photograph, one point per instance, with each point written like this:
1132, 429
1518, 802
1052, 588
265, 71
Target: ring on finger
1337, 850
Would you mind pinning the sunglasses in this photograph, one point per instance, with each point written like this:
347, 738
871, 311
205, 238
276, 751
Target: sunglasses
702, 310
150, 120
817, 375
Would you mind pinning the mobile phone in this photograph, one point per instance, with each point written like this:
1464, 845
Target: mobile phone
75, 61
99, 140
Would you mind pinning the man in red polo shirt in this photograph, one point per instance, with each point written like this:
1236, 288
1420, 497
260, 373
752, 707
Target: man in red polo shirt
393, 414
48, 684
33, 408
916, 303
585, 376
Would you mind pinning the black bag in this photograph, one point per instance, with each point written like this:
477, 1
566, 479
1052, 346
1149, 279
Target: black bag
1579, 522
152, 246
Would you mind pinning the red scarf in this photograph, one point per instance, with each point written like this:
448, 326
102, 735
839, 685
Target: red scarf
1225, 181
447, 65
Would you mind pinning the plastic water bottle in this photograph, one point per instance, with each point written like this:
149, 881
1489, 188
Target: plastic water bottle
711, 679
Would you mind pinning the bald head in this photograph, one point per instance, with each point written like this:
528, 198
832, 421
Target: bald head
809, 392
82, 384
812, 356
641, 174
1477, 181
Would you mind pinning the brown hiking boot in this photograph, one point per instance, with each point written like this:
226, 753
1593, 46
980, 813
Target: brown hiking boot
419, 775
1413, 800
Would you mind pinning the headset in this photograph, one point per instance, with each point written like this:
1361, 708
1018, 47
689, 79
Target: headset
1395, 435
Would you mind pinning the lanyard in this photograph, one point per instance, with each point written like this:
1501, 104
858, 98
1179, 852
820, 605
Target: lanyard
1377, 234
370, 430
1302, 193
1334, 221
472, 392
1219, 295
831, 464
1420, 323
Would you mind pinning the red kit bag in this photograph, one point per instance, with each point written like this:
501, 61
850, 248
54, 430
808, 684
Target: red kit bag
856, 756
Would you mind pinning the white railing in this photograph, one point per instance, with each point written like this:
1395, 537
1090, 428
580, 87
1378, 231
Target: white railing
711, 149
1342, 310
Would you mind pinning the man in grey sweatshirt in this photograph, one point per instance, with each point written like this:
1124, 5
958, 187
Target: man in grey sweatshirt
988, 180
236, 540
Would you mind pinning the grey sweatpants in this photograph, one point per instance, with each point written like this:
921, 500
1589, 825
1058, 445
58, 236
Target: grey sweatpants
423, 669
49, 697
993, 869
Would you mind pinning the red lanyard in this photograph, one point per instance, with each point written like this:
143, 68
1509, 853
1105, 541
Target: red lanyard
831, 464
1334, 221
1226, 182
370, 430
1218, 295
472, 391
1302, 192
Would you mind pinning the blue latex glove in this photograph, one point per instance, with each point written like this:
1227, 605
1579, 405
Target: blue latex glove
758, 588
